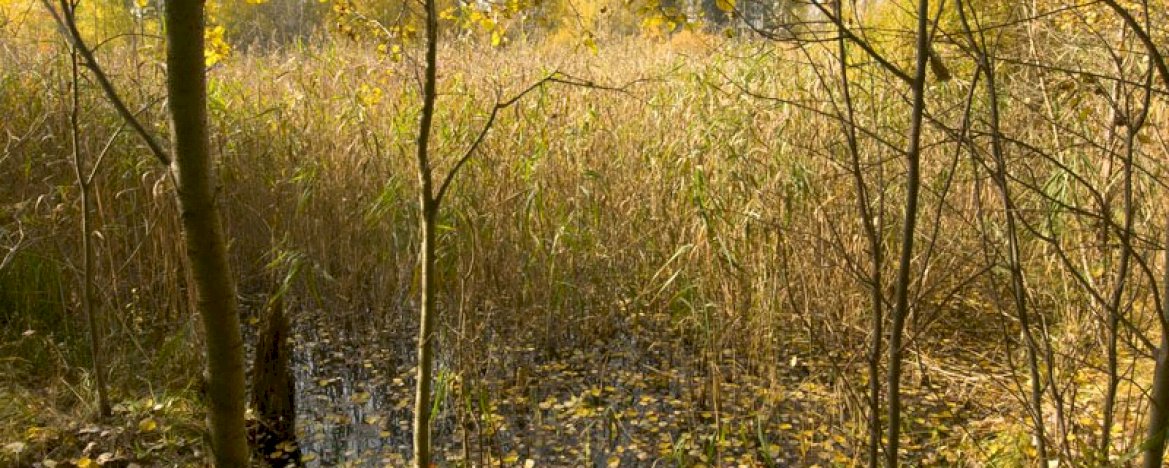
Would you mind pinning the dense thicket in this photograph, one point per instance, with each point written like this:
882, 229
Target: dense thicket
688, 254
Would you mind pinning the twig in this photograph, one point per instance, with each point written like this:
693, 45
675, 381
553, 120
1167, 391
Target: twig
67, 24
555, 77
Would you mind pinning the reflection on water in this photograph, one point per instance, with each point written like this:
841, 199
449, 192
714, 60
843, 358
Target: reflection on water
626, 402
353, 396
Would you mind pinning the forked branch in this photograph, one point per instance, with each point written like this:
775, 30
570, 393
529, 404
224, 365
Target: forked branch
63, 15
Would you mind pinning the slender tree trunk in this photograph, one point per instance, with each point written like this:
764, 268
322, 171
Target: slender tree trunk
912, 186
1133, 124
427, 319
89, 295
1154, 446
1018, 284
1014, 261
1115, 301
203, 232
1117, 295
428, 207
876, 295
190, 168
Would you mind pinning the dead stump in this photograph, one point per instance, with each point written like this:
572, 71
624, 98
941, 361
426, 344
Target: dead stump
274, 392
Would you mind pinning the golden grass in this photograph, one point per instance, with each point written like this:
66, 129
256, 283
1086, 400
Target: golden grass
724, 221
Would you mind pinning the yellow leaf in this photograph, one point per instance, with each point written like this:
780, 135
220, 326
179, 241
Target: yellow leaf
725, 5
147, 425
591, 43
511, 457
361, 397
215, 48
84, 462
496, 39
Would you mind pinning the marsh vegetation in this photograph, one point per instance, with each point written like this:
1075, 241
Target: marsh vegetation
638, 234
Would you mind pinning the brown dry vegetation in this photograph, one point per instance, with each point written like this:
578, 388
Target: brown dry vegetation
686, 251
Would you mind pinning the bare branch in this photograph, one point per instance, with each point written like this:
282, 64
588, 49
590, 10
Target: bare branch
67, 24
555, 77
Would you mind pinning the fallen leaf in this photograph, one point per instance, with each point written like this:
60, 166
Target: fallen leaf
15, 448
147, 425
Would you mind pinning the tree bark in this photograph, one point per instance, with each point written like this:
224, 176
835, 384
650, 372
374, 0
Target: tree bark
427, 319
1159, 400
1154, 446
912, 186
428, 208
206, 247
89, 297
1014, 255
274, 391
876, 254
